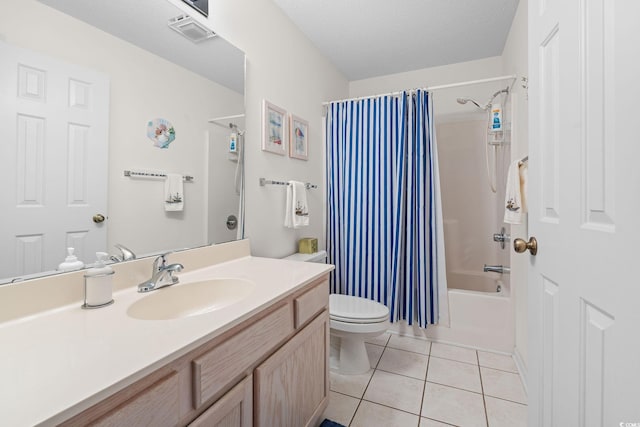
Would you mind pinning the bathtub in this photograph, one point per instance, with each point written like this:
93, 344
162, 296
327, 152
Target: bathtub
480, 316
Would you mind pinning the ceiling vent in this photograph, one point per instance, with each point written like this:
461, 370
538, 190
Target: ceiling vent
190, 28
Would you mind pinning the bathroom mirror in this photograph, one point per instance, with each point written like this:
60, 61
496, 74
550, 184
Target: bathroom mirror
147, 75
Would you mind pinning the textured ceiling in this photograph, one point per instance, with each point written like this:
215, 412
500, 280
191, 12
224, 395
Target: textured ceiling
369, 38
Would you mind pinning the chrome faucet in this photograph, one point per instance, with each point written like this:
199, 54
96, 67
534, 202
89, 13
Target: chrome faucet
127, 254
496, 269
161, 276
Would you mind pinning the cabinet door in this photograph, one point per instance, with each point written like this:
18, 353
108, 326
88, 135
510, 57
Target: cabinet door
234, 409
292, 386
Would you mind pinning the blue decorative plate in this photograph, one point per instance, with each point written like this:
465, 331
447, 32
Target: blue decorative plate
161, 132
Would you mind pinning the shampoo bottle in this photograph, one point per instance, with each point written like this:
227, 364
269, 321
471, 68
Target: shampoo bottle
496, 118
98, 286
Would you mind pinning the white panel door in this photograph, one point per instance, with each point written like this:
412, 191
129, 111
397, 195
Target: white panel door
54, 118
584, 202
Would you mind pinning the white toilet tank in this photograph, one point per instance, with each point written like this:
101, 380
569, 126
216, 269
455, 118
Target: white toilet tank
320, 256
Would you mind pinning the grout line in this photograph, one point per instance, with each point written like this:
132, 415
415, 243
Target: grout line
391, 407
457, 388
484, 400
506, 400
424, 387
455, 360
367, 386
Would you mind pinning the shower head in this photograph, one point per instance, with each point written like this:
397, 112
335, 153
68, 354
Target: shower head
485, 106
465, 100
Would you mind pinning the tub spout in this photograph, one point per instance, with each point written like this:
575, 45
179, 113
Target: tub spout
496, 269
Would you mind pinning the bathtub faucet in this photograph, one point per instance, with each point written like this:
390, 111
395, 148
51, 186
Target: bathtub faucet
496, 269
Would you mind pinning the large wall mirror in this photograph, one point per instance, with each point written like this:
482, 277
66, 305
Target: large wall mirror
92, 90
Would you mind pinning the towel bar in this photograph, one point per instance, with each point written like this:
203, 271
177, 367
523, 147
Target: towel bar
264, 182
187, 178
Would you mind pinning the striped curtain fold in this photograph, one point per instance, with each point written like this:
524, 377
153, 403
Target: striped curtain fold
384, 231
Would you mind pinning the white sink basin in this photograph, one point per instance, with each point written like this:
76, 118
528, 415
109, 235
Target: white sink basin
190, 299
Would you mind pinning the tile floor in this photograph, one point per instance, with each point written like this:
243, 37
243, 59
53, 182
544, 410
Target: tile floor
417, 383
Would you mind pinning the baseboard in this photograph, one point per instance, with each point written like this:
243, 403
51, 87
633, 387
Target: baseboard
522, 369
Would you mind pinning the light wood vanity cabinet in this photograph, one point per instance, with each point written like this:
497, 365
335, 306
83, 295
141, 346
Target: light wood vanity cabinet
270, 370
234, 409
291, 386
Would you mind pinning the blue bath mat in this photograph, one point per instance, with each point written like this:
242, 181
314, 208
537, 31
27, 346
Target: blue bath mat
329, 423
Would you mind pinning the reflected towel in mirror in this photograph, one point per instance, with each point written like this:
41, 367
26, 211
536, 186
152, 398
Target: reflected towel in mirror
173, 193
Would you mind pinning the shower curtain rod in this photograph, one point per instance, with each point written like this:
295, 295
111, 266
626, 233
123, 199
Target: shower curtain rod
432, 88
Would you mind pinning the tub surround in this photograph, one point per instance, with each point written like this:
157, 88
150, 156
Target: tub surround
58, 359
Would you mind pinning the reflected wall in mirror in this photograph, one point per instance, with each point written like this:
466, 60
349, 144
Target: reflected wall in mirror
124, 67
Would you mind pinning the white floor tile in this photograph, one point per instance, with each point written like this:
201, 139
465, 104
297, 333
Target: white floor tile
396, 391
452, 405
454, 374
404, 363
453, 352
374, 352
371, 415
379, 340
409, 344
352, 385
341, 408
505, 385
502, 413
497, 361
427, 422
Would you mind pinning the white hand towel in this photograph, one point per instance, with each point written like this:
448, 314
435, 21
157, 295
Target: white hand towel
173, 193
516, 188
296, 209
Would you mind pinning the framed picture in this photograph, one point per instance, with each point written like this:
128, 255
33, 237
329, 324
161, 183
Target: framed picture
274, 129
299, 146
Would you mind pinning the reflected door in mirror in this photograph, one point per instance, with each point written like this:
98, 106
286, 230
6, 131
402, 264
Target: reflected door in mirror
53, 158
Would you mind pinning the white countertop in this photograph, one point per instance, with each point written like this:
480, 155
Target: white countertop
56, 364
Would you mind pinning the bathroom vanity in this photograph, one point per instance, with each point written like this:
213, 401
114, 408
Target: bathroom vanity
259, 361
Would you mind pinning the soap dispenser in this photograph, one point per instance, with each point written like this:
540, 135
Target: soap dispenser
98, 286
71, 262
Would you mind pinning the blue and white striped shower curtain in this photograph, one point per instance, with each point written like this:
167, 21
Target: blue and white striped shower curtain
385, 233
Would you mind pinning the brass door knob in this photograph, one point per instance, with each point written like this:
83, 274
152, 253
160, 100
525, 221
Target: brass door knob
520, 246
98, 218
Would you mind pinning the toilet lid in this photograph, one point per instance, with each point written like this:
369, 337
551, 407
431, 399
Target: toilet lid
347, 308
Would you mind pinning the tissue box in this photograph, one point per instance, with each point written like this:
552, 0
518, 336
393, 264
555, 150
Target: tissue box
308, 245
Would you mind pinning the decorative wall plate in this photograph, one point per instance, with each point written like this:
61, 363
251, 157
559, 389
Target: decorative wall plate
161, 132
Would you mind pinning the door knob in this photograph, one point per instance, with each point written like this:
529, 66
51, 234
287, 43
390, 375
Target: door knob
520, 246
98, 218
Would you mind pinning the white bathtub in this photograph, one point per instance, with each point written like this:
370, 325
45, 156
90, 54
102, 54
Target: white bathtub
479, 316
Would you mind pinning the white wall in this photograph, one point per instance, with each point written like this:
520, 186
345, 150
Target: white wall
287, 70
444, 100
515, 62
143, 87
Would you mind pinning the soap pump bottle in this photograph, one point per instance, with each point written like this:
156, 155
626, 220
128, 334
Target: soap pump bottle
98, 286
71, 262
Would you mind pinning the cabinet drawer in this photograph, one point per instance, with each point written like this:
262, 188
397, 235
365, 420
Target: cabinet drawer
232, 358
311, 303
154, 406
234, 409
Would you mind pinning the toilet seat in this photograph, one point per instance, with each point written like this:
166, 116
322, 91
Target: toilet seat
350, 309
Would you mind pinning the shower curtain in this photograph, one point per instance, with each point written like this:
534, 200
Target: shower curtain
384, 232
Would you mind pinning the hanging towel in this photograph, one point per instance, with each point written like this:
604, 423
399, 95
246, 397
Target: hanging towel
296, 209
173, 193
515, 207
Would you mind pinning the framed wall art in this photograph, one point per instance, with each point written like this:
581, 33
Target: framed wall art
274, 128
299, 145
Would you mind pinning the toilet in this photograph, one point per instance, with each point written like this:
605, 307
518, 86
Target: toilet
352, 321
